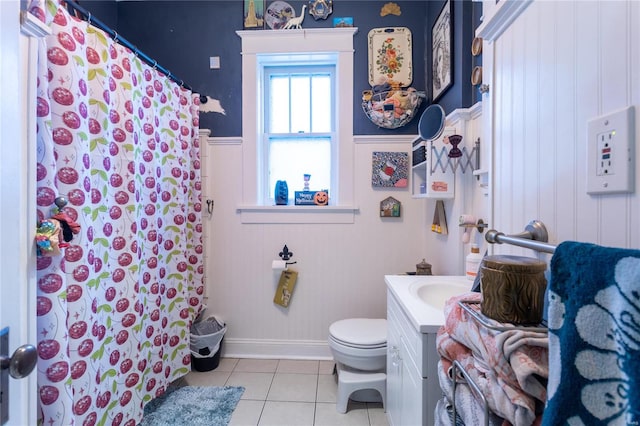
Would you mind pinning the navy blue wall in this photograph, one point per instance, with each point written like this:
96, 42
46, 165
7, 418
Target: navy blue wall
466, 18
182, 35
105, 10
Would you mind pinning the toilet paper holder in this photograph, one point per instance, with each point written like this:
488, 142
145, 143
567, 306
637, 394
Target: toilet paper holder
285, 255
479, 225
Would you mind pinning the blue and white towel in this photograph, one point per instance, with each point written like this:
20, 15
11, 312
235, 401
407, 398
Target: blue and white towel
594, 336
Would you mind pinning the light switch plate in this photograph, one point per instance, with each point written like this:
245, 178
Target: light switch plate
610, 153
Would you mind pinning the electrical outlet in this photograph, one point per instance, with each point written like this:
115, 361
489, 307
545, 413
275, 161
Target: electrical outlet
610, 153
604, 161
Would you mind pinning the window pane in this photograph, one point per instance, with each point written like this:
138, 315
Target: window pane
321, 95
300, 103
291, 159
279, 104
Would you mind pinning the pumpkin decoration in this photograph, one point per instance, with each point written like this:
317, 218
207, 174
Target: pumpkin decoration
321, 198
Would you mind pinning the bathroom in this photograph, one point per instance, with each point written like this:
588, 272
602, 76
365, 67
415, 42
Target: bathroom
555, 67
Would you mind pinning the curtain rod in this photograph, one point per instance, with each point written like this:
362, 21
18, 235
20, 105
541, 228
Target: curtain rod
114, 35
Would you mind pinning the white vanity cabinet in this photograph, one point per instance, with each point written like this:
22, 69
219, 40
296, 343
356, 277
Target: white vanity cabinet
412, 381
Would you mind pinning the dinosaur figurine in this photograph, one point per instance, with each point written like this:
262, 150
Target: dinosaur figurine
297, 21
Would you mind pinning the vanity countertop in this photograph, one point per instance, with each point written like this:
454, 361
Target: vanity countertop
425, 317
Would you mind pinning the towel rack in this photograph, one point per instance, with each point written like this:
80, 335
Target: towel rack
473, 309
533, 237
485, 404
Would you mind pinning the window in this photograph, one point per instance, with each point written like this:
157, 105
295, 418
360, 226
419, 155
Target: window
298, 139
302, 63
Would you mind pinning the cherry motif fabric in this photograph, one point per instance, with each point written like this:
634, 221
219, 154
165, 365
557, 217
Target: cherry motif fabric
120, 142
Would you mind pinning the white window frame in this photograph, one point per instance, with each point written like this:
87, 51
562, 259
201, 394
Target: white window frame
256, 44
323, 63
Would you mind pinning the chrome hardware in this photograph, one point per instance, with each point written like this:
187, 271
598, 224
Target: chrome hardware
21, 363
534, 237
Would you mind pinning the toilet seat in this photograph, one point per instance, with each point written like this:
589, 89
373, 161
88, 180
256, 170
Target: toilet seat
360, 343
351, 345
361, 333
357, 351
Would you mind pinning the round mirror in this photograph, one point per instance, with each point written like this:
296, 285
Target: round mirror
431, 122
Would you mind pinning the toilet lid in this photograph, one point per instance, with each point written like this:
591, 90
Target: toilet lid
360, 331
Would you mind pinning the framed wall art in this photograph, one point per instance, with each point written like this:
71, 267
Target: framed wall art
390, 207
441, 56
253, 17
346, 21
390, 169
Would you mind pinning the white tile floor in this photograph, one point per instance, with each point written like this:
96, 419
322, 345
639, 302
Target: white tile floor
286, 392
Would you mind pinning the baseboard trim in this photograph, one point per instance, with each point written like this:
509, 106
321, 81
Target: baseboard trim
276, 349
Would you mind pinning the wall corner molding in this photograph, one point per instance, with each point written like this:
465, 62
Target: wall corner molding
500, 18
465, 114
233, 140
378, 139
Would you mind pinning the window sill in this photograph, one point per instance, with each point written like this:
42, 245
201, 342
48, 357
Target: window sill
297, 214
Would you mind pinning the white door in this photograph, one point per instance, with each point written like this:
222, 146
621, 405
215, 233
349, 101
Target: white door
17, 204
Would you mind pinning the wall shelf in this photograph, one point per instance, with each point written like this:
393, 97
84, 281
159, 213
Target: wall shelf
438, 161
470, 160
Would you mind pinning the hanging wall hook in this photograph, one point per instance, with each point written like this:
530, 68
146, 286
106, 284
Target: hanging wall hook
210, 204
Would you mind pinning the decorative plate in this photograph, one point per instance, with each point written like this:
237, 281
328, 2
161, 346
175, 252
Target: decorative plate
476, 46
476, 75
320, 9
278, 14
390, 51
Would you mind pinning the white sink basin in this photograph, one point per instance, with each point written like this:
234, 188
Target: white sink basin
436, 294
422, 297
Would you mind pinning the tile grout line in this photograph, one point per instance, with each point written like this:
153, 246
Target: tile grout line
315, 405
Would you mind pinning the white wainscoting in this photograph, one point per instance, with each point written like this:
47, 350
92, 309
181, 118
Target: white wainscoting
557, 66
341, 266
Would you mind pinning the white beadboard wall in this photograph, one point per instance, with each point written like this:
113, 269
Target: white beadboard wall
341, 266
557, 66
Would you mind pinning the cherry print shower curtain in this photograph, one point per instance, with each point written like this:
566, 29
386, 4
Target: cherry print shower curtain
119, 141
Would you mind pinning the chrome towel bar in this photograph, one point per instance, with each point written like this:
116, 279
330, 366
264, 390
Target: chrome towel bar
534, 237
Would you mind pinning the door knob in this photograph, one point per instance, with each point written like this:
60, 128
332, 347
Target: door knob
21, 363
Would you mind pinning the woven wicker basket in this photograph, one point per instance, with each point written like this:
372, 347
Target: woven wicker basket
392, 109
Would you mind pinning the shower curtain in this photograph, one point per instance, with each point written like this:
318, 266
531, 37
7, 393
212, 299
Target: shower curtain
119, 141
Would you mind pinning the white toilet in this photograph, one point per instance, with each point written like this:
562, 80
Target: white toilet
359, 347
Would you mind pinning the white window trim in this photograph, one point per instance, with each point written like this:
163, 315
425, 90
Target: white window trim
325, 63
313, 40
